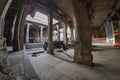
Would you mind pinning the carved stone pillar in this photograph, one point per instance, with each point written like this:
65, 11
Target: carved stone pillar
46, 36
41, 34
1, 26
110, 33
4, 5
50, 26
58, 32
18, 40
4, 70
65, 34
72, 36
82, 54
27, 32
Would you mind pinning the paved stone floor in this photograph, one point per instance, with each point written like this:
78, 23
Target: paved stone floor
42, 66
49, 67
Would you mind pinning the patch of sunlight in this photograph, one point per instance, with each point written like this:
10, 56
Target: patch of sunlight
40, 18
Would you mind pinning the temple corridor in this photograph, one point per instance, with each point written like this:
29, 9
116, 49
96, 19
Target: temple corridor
59, 40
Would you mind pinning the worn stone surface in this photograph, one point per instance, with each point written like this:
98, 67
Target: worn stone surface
50, 24
5, 72
1, 26
106, 67
18, 39
83, 33
65, 33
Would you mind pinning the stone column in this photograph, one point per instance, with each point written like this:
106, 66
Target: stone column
18, 40
58, 33
65, 33
41, 34
1, 27
38, 34
50, 26
4, 70
4, 5
46, 35
72, 35
109, 33
82, 52
27, 32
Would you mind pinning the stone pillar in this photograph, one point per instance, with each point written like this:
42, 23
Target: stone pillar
27, 32
1, 26
5, 5
38, 34
41, 34
50, 26
4, 70
72, 36
65, 33
58, 33
13, 26
18, 40
46, 35
110, 33
82, 52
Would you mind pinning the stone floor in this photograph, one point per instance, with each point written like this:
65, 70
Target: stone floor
61, 67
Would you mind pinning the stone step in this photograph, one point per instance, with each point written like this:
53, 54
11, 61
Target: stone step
32, 45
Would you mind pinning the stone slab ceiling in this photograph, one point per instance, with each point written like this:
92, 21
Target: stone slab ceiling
101, 8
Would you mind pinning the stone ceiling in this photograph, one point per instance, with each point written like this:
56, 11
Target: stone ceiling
100, 9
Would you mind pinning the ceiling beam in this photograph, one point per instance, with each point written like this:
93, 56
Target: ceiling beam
111, 13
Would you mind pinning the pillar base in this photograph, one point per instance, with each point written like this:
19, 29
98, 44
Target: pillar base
5, 73
50, 51
84, 59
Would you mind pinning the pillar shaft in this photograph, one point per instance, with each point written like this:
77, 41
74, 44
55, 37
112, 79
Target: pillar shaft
38, 36
110, 33
65, 34
50, 25
41, 32
3, 12
27, 32
82, 50
58, 33
2, 4
72, 35
18, 40
5, 73
46, 35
